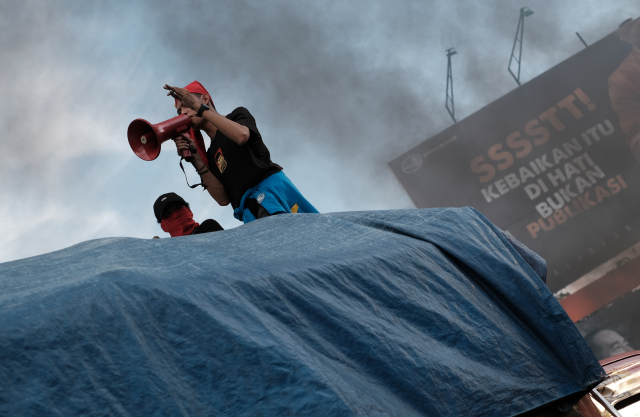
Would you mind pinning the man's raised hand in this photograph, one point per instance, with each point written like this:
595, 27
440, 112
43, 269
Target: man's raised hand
183, 96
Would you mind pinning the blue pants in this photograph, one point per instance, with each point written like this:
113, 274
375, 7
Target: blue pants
274, 194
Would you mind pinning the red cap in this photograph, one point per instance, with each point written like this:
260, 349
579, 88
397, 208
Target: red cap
197, 88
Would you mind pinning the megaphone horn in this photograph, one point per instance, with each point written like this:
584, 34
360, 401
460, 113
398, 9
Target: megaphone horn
145, 138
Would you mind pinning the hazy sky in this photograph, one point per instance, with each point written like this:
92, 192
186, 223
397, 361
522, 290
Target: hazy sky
338, 89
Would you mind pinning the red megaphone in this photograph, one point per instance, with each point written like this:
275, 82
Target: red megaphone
145, 138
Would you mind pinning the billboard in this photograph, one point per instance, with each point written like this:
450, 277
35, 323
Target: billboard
556, 162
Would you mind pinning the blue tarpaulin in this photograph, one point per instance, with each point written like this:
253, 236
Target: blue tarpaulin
389, 313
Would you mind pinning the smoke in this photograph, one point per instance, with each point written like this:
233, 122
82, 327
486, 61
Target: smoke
338, 89
348, 86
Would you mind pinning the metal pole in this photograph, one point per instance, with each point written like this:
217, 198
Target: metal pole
582, 40
449, 96
606, 404
513, 49
524, 12
521, 24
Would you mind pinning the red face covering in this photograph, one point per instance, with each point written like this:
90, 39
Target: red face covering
179, 223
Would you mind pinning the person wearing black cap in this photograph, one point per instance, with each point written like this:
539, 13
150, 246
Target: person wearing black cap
175, 217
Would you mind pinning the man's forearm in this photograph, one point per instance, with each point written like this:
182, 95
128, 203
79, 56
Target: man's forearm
214, 186
215, 189
234, 131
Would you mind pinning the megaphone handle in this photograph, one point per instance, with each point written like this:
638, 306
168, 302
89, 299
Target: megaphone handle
186, 154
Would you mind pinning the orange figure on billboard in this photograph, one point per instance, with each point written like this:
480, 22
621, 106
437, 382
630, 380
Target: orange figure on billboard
624, 87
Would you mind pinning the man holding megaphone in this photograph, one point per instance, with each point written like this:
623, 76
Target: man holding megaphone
240, 170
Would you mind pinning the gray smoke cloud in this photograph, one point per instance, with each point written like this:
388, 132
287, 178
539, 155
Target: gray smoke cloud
338, 89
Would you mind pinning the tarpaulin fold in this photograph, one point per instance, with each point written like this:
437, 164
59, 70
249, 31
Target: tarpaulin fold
386, 313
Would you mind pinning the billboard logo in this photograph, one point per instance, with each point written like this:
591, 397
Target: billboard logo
412, 163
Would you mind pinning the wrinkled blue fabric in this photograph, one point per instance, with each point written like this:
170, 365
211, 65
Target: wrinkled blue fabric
388, 313
534, 260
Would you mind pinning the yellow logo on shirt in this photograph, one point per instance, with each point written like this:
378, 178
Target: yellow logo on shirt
220, 161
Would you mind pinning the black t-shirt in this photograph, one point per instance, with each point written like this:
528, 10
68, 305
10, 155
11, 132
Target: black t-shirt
208, 226
240, 167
